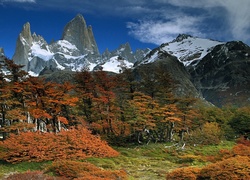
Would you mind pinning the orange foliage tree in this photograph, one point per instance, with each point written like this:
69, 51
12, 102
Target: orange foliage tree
74, 144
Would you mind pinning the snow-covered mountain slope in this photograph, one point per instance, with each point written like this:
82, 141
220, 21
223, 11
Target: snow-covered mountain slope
115, 64
125, 52
76, 50
188, 49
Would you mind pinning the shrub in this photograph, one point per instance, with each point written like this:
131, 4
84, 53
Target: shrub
241, 150
244, 141
188, 173
38, 147
83, 170
232, 168
210, 134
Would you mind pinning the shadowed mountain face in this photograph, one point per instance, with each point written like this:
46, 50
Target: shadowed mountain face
223, 75
219, 71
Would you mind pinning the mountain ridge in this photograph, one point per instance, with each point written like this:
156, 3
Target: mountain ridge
218, 71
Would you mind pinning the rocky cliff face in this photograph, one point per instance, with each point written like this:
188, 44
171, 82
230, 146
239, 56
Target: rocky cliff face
23, 44
176, 70
1, 51
2, 56
223, 75
76, 32
125, 52
219, 71
76, 50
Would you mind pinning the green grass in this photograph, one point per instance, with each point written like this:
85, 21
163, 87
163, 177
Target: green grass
143, 162
153, 161
6, 168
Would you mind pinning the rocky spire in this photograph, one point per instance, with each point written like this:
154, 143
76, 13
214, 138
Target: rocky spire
2, 57
1, 51
92, 39
23, 44
77, 33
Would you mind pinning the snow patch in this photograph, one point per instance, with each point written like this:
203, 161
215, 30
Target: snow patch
115, 65
190, 49
37, 51
66, 44
31, 73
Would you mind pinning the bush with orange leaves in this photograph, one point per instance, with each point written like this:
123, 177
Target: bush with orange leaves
83, 170
228, 164
189, 173
232, 168
38, 147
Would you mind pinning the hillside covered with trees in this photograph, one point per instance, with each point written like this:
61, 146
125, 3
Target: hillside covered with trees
93, 117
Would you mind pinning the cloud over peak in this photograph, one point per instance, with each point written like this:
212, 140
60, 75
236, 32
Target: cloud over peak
159, 21
222, 20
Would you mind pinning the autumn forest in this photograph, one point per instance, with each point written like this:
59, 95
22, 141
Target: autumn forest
99, 113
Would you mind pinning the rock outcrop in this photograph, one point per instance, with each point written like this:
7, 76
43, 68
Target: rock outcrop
76, 32
176, 69
76, 50
23, 44
125, 52
223, 75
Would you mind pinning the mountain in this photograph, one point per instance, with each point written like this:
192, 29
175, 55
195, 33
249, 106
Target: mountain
177, 71
1, 51
114, 64
223, 75
219, 71
125, 52
76, 49
76, 32
2, 57
188, 49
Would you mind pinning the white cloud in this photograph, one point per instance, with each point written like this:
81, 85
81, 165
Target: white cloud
238, 18
237, 13
158, 32
162, 20
228, 19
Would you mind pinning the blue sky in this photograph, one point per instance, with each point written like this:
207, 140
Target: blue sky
142, 23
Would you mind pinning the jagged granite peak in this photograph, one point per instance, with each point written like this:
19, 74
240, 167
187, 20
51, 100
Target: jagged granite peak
125, 52
2, 56
26, 33
92, 39
181, 37
76, 32
23, 44
1, 51
223, 75
77, 52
